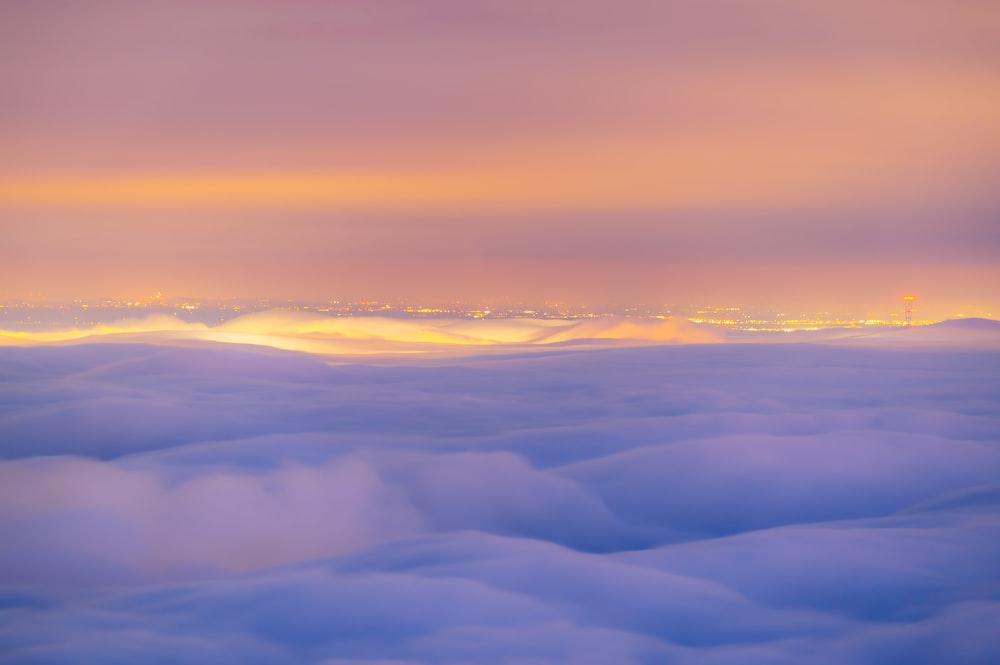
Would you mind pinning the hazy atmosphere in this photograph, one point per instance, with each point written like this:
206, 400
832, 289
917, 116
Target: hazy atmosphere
451, 332
765, 153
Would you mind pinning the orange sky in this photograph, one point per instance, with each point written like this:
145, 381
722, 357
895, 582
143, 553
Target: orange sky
769, 151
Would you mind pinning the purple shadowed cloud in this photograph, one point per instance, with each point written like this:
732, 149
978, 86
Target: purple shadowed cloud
757, 503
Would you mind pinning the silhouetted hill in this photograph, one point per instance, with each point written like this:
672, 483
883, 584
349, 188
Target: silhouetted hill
971, 323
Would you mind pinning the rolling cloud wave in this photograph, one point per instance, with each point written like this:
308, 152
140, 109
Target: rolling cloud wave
750, 503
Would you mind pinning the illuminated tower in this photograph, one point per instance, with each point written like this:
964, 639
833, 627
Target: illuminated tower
908, 310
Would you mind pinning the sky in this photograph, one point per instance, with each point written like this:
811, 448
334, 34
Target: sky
822, 155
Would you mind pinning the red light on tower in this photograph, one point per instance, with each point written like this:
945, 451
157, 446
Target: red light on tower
908, 309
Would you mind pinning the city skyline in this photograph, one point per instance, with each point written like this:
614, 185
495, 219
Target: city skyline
37, 312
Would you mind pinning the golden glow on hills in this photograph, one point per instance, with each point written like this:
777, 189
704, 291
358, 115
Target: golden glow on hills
375, 335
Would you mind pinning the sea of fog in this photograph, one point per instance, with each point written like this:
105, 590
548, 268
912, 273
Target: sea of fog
280, 492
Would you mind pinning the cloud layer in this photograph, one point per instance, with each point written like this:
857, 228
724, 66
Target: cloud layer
339, 337
321, 334
753, 503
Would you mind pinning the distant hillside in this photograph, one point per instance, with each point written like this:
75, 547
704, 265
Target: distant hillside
971, 323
